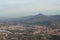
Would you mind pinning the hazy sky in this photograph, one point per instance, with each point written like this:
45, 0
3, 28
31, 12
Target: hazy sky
14, 8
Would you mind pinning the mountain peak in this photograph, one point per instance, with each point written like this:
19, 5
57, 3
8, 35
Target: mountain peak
40, 14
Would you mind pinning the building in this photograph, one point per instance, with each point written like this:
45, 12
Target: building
4, 34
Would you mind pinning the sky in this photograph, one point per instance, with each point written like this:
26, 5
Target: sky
15, 8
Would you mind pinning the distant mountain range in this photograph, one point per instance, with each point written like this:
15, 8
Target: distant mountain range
39, 19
